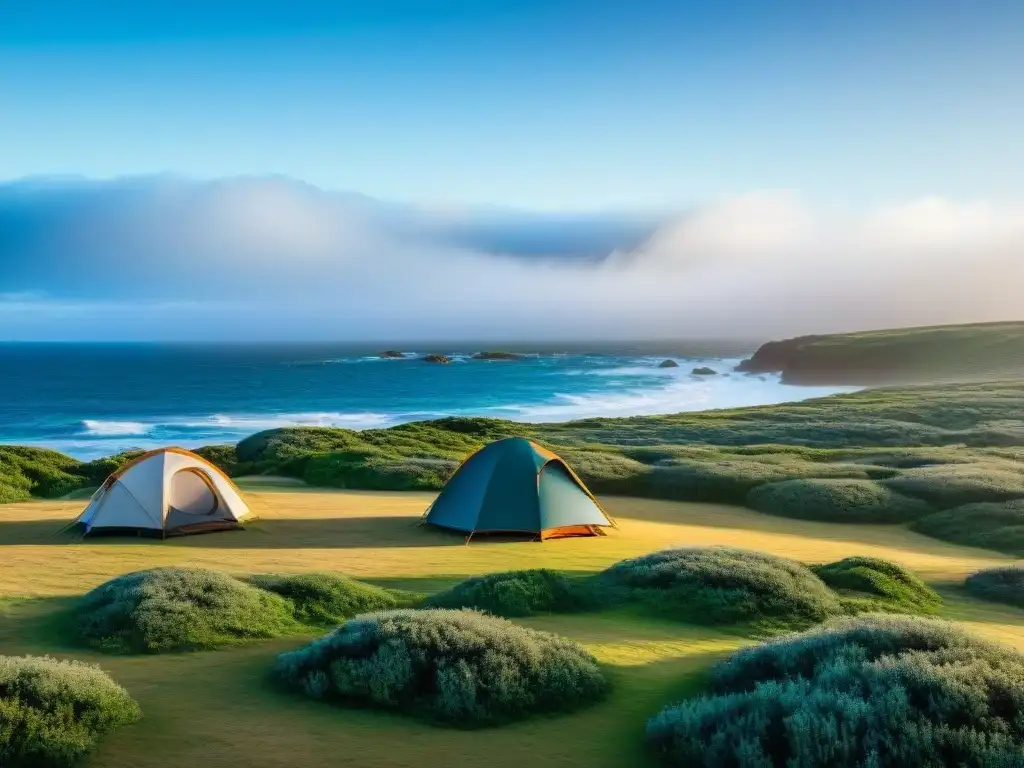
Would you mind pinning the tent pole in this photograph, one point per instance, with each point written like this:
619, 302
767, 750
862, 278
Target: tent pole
469, 538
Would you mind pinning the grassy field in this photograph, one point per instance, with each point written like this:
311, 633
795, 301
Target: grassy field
218, 709
947, 458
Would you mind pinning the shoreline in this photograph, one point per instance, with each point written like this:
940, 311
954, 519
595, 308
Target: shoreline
99, 439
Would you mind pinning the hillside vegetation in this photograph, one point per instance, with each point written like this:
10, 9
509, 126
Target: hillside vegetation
931, 456
903, 355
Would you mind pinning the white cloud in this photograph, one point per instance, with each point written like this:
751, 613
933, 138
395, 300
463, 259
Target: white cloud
759, 226
259, 258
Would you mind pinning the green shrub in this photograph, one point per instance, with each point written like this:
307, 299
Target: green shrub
98, 470
953, 485
27, 472
53, 712
373, 469
721, 586
456, 667
11, 492
875, 691
888, 586
514, 593
327, 598
223, 456
729, 477
607, 471
179, 609
1003, 585
998, 526
837, 501
727, 481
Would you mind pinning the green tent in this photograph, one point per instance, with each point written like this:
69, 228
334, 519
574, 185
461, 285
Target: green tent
516, 486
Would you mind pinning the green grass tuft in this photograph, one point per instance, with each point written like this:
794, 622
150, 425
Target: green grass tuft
53, 712
515, 593
459, 668
179, 609
879, 690
879, 585
998, 526
328, 598
954, 485
837, 501
1002, 585
721, 586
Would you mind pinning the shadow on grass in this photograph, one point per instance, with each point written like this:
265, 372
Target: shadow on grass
38, 625
272, 533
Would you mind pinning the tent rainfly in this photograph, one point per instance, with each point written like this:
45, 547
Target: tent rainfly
166, 492
514, 486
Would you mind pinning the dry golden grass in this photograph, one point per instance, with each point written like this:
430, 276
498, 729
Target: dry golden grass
216, 708
378, 536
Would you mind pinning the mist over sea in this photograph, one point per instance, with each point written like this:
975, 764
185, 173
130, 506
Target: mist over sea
91, 400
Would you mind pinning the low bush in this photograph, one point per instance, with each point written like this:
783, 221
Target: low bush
222, 456
1003, 585
327, 598
953, 485
26, 472
998, 526
606, 471
373, 469
884, 585
874, 691
53, 712
727, 481
720, 586
11, 492
515, 593
460, 668
836, 501
179, 609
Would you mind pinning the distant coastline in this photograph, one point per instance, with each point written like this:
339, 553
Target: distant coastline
930, 354
92, 400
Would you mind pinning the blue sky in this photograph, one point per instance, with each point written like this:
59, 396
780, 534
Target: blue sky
553, 105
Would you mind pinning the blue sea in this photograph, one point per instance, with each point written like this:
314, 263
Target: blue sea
92, 400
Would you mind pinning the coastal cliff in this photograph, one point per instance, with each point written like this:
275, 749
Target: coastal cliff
948, 353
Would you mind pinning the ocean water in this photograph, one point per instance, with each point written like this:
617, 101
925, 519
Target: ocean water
91, 400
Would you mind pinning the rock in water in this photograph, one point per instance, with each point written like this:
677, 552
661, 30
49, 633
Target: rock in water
668, 364
392, 354
437, 359
704, 371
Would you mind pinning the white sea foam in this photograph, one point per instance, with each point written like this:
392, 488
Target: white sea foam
257, 422
98, 428
679, 394
630, 370
608, 388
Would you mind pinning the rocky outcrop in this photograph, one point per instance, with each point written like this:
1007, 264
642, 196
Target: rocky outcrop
703, 371
776, 356
391, 354
441, 359
497, 356
668, 364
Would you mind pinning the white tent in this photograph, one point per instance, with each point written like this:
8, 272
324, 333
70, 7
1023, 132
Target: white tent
167, 491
